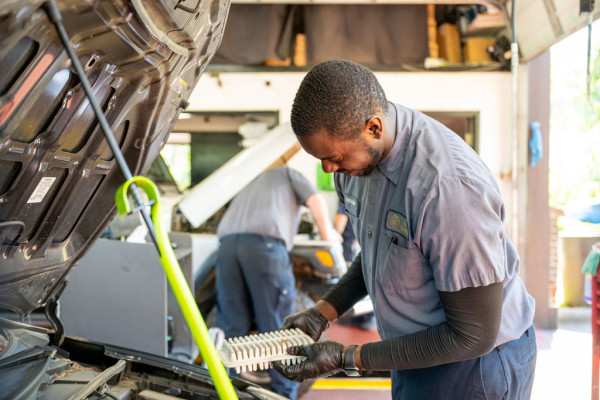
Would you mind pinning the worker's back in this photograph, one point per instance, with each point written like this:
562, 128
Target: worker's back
269, 205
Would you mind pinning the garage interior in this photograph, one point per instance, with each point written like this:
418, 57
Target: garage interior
452, 60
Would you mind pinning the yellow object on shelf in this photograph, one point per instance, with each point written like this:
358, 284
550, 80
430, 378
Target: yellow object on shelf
300, 50
449, 43
273, 62
432, 33
476, 50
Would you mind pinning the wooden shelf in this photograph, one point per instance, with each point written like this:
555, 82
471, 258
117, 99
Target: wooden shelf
485, 25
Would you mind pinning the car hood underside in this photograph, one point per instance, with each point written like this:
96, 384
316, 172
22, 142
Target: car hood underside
58, 176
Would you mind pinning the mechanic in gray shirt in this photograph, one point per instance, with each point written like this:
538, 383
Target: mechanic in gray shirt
254, 274
455, 319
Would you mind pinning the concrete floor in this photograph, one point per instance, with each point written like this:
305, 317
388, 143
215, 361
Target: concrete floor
564, 363
563, 369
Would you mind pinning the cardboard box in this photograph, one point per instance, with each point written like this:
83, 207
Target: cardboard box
449, 42
475, 50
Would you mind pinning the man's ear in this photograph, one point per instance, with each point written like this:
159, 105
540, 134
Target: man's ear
375, 126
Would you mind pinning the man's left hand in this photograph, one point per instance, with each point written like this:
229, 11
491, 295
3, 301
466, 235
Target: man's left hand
323, 359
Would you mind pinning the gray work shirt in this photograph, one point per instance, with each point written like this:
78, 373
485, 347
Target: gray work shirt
428, 218
269, 205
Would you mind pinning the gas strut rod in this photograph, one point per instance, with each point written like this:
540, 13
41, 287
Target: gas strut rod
55, 17
159, 235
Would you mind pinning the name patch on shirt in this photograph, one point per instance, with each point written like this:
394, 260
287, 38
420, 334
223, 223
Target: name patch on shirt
352, 205
397, 222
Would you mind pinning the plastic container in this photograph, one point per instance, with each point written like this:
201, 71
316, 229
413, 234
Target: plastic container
573, 249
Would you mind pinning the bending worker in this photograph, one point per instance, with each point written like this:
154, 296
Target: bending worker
255, 281
454, 317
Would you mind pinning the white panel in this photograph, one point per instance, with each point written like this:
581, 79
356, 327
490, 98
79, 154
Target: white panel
216, 190
535, 32
533, 26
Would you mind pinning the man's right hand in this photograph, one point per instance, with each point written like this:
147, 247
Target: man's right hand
311, 322
332, 235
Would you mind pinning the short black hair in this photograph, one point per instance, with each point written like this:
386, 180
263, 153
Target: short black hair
338, 96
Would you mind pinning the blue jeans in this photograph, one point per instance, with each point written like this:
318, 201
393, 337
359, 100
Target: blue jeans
505, 373
255, 282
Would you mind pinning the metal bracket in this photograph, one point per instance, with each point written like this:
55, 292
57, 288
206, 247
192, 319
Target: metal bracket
138, 208
52, 316
586, 6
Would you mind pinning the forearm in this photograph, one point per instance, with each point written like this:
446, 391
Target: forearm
349, 290
339, 222
318, 208
473, 321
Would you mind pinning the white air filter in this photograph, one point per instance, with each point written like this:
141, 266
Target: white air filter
254, 352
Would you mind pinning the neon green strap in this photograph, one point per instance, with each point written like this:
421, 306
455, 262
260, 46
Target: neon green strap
179, 285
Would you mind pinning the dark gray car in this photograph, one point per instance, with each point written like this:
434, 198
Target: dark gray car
58, 177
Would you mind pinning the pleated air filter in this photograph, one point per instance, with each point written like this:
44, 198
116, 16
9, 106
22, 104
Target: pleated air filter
254, 352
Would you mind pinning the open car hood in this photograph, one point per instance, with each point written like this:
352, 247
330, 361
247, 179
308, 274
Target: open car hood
58, 176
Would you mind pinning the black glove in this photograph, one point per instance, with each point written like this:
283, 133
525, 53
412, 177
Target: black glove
323, 359
311, 322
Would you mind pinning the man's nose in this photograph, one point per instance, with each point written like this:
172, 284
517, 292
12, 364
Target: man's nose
329, 166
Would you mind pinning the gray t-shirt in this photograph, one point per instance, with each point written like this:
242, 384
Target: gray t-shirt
429, 218
269, 205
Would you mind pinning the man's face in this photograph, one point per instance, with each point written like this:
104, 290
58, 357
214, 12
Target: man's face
351, 158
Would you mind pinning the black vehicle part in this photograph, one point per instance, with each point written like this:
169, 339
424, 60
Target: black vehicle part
58, 174
51, 311
32, 369
56, 18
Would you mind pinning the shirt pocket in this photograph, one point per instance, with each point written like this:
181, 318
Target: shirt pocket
352, 205
404, 269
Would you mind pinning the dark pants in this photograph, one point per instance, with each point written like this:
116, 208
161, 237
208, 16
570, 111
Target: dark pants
505, 373
255, 283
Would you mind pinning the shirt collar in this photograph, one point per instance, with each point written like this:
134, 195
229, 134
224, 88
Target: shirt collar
392, 163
